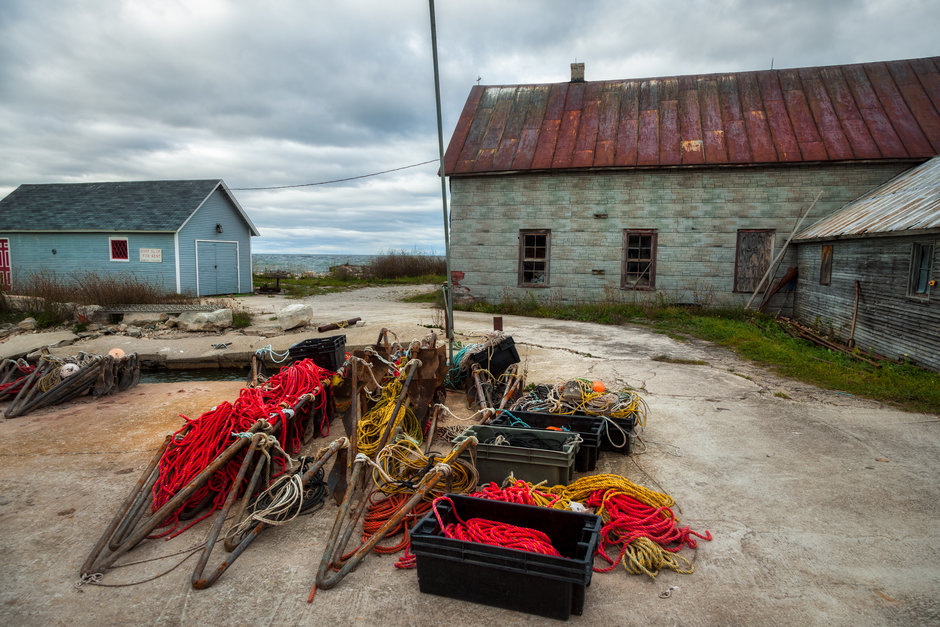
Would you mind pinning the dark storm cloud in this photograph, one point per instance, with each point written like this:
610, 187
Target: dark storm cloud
288, 92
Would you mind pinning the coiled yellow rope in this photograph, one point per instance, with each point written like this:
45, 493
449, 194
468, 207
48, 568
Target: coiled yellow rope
581, 489
399, 466
372, 425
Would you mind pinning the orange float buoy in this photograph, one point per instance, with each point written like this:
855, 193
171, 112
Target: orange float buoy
116, 353
599, 387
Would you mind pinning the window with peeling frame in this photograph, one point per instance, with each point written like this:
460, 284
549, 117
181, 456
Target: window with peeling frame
921, 264
534, 252
638, 271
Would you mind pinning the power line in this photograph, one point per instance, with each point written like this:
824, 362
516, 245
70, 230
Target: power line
351, 178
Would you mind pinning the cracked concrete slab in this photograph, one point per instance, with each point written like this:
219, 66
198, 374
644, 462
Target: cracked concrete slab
822, 506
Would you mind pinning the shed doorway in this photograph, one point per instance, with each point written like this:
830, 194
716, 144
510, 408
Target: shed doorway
755, 249
216, 267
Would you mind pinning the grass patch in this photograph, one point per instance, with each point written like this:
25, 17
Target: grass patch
756, 337
782, 395
678, 360
436, 297
393, 268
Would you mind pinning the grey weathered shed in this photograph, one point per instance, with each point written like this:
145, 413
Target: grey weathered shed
877, 261
677, 187
186, 236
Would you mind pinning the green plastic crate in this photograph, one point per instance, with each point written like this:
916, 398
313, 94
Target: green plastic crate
495, 462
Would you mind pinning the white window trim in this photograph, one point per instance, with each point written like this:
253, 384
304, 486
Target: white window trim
111, 249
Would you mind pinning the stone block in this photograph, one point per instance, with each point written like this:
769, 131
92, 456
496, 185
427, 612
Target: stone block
294, 316
204, 320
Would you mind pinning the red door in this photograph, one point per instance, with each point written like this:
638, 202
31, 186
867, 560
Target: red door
5, 264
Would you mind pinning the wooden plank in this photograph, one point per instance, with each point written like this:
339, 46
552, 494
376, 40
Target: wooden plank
899, 114
827, 122
781, 130
918, 101
876, 119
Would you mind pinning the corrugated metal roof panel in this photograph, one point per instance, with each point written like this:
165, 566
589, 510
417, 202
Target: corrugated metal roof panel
887, 110
908, 202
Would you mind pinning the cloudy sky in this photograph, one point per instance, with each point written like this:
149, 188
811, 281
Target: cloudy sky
285, 92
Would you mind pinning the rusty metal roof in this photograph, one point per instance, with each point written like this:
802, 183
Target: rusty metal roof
908, 202
888, 110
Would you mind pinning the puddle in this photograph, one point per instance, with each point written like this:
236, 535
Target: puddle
196, 374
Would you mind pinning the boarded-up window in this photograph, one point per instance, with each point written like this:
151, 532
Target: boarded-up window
755, 247
119, 249
921, 262
825, 264
534, 249
638, 271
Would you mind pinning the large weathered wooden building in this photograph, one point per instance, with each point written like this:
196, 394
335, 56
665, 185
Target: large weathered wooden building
676, 187
868, 273
182, 236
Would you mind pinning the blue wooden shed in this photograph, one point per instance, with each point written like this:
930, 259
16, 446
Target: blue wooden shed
189, 237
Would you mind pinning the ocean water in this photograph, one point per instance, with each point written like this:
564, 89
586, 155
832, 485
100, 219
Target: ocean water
305, 263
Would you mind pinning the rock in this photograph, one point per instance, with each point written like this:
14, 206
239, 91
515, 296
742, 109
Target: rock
293, 316
140, 319
204, 321
86, 334
170, 323
27, 324
92, 313
133, 331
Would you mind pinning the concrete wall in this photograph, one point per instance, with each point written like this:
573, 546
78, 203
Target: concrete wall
697, 212
79, 253
889, 322
217, 209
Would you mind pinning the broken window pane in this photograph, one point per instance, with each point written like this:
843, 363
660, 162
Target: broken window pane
639, 259
533, 262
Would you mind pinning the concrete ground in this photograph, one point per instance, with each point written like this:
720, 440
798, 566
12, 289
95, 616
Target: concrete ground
823, 506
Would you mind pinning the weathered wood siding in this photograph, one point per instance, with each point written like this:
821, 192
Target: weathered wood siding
79, 253
889, 322
217, 209
695, 211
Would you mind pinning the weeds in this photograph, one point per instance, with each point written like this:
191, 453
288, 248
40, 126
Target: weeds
756, 337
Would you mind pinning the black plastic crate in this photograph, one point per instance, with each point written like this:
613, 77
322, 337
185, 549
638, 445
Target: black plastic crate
498, 358
326, 352
613, 439
591, 429
508, 578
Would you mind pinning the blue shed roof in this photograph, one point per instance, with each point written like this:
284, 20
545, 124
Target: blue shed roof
151, 206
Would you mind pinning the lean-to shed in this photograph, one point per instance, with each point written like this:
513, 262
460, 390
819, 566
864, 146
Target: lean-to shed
189, 237
869, 271
681, 188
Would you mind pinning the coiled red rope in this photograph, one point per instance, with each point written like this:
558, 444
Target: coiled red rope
630, 519
200, 441
494, 533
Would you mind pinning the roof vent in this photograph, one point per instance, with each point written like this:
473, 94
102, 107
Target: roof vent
577, 72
